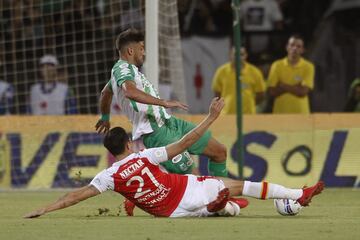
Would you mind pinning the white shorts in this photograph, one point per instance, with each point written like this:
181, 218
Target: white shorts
200, 191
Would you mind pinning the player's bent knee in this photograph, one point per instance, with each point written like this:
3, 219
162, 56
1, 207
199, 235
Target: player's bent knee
224, 151
216, 152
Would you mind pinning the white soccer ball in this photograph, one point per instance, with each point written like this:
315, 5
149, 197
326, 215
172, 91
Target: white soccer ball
287, 207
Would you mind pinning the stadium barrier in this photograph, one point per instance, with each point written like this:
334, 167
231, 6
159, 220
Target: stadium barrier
65, 151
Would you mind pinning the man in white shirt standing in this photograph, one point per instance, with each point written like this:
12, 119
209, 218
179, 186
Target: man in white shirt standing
260, 17
51, 97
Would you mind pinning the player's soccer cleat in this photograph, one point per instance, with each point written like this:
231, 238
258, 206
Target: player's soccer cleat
129, 207
241, 202
310, 192
220, 202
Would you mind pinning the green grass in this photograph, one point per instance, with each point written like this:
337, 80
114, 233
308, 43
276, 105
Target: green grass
335, 214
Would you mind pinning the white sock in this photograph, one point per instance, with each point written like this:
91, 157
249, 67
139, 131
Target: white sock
265, 190
230, 210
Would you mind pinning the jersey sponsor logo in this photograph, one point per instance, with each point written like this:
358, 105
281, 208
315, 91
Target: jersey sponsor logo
131, 169
177, 158
148, 85
159, 194
297, 78
145, 193
245, 85
159, 153
183, 161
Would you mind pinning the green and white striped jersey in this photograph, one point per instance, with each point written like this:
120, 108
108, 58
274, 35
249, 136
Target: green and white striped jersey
144, 118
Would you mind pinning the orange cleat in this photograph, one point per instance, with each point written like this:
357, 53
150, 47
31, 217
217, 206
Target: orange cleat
129, 207
310, 192
220, 202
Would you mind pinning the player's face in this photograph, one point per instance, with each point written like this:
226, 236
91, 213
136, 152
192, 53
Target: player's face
48, 72
139, 53
232, 55
243, 54
295, 47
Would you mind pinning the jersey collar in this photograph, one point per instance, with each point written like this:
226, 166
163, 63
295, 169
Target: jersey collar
47, 87
299, 64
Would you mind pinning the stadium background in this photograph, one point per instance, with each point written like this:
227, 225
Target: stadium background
64, 151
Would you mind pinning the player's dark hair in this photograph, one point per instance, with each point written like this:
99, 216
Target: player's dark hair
128, 36
297, 36
115, 140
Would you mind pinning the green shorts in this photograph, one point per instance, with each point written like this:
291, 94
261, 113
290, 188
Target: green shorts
173, 130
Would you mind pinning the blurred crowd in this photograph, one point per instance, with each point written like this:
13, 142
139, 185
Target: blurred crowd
63, 29
43, 44
266, 24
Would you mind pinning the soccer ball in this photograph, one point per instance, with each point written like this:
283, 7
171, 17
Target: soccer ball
287, 207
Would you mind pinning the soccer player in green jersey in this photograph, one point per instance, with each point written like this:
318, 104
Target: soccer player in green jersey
140, 102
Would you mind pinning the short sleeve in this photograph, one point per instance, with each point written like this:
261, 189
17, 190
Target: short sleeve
123, 72
156, 155
103, 181
273, 75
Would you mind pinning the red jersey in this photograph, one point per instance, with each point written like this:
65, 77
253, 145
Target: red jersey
139, 178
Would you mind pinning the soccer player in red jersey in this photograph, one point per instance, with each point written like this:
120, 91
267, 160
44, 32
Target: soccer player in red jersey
137, 177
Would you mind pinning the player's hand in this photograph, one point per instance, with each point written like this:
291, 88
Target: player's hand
217, 104
35, 214
102, 126
176, 104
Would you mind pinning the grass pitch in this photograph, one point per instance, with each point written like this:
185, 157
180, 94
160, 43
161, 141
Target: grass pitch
335, 214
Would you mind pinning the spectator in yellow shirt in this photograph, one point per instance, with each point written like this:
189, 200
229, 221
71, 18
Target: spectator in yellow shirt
252, 84
291, 79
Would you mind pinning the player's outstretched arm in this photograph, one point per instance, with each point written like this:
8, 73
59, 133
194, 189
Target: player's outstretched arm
137, 95
191, 137
103, 124
65, 201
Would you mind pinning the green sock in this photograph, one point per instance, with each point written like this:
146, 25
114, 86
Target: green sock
218, 169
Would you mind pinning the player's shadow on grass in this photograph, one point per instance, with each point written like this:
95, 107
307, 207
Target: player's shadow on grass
280, 217
301, 217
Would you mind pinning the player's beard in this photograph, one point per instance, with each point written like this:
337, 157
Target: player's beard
140, 61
